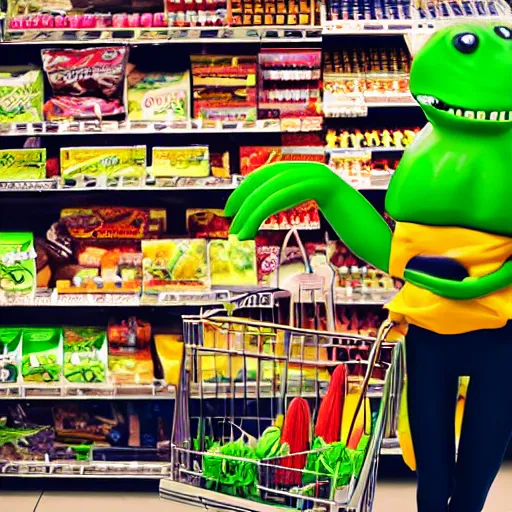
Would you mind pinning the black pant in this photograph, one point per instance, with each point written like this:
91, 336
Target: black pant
434, 364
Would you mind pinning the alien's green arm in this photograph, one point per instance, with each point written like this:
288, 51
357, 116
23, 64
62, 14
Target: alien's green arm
467, 289
283, 185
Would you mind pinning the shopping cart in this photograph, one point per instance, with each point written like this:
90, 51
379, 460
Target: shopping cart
238, 379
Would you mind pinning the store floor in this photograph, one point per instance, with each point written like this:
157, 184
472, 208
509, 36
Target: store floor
394, 494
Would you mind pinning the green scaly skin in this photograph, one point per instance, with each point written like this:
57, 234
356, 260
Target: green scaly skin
458, 171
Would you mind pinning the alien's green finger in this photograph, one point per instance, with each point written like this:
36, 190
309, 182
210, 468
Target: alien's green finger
469, 288
261, 176
278, 201
280, 181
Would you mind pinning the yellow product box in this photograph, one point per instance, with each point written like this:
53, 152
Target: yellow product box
233, 263
189, 162
178, 264
22, 164
116, 165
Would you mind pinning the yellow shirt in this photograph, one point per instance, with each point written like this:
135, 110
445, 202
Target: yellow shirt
480, 253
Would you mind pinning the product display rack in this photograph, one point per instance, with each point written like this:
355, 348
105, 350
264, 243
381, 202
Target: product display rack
175, 193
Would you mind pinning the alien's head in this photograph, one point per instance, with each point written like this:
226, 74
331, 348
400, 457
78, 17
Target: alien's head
462, 77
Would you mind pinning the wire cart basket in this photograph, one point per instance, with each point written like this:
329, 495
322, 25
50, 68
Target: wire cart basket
238, 383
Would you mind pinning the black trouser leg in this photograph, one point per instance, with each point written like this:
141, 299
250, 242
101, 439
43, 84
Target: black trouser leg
434, 363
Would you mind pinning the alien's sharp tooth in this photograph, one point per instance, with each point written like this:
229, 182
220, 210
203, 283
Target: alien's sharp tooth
469, 114
480, 115
458, 112
494, 116
451, 111
503, 116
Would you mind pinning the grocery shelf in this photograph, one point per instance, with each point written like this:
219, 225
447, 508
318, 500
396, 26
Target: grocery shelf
242, 297
372, 149
85, 469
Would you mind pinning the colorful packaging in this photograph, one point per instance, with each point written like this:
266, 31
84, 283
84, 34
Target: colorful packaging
232, 263
158, 96
207, 223
224, 87
21, 95
10, 354
114, 222
22, 164
18, 258
174, 264
189, 161
42, 354
170, 349
127, 163
85, 354
95, 75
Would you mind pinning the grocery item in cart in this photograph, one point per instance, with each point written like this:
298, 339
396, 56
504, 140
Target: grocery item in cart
158, 96
42, 354
21, 94
85, 354
17, 263
22, 164
94, 77
10, 354
188, 161
232, 263
169, 265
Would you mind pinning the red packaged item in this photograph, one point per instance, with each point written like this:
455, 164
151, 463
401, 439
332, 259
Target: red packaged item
87, 73
69, 107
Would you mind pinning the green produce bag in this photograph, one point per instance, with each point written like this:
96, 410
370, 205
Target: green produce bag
17, 263
42, 354
10, 354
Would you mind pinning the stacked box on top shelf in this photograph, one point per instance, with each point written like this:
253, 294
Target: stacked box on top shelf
192, 13
272, 12
289, 88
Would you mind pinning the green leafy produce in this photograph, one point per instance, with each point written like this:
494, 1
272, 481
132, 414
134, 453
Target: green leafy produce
42, 354
85, 354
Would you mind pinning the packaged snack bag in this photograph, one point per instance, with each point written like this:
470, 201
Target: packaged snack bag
42, 354
10, 354
232, 263
22, 164
18, 258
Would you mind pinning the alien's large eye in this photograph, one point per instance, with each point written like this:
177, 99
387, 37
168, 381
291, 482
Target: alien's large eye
466, 42
504, 32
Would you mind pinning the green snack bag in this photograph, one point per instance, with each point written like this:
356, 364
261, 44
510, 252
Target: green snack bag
22, 164
85, 354
42, 354
21, 94
10, 354
17, 263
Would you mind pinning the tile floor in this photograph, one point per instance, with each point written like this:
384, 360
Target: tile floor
394, 494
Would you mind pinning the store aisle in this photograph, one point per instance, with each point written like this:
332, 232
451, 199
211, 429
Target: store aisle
392, 496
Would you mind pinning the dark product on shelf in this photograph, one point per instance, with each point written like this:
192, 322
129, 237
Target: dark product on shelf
42, 354
273, 12
85, 354
18, 267
219, 165
86, 83
345, 10
232, 263
25, 442
107, 166
130, 360
21, 94
114, 222
207, 223
189, 161
169, 265
22, 164
10, 354
290, 84
158, 96
224, 87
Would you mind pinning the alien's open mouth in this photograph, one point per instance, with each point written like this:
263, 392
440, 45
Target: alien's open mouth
480, 115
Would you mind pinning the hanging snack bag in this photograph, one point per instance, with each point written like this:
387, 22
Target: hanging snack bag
85, 354
86, 83
42, 354
10, 354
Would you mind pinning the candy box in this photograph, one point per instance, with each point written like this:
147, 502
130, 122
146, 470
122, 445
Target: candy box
190, 161
207, 223
85, 354
18, 263
10, 354
102, 223
173, 265
42, 354
22, 164
232, 263
106, 166
158, 96
21, 95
